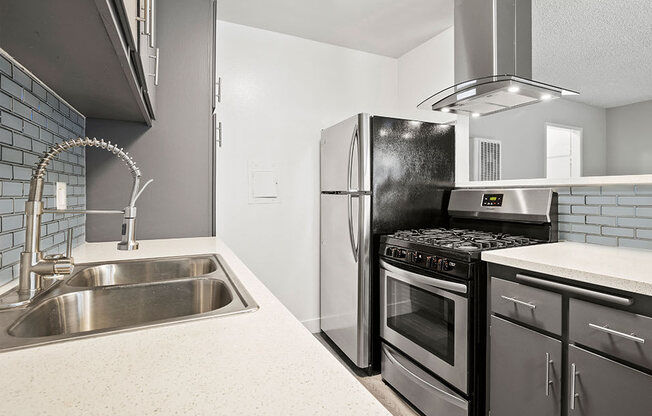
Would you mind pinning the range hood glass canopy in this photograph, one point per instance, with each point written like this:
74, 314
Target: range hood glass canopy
492, 94
493, 60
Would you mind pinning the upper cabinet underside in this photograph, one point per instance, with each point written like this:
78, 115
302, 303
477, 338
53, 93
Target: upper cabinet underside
78, 49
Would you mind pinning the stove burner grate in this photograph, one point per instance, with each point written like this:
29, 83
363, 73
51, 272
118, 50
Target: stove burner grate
463, 240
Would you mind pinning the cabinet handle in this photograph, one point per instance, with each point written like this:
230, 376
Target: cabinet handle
218, 95
548, 381
608, 330
219, 134
573, 394
146, 18
618, 300
151, 23
155, 74
519, 302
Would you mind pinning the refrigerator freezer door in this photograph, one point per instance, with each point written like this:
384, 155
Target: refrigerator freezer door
345, 274
345, 156
413, 172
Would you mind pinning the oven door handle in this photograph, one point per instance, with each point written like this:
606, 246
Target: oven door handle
429, 281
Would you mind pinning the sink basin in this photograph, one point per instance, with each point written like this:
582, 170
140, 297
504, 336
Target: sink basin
142, 271
126, 295
92, 310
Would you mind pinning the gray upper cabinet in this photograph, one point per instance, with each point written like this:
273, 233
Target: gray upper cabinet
130, 14
601, 387
149, 53
525, 371
87, 51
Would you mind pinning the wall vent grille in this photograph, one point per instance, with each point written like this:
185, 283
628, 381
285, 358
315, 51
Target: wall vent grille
487, 164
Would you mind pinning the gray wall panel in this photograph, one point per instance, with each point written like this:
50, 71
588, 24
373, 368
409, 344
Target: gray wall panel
629, 133
176, 151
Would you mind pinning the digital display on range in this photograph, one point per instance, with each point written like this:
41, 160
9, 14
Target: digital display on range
492, 200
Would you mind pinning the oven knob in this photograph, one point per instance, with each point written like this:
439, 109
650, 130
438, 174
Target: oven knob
390, 251
431, 261
411, 256
399, 254
428, 261
447, 265
418, 257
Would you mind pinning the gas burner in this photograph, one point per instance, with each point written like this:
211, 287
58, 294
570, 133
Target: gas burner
463, 239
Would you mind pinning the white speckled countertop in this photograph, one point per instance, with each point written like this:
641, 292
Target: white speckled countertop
613, 267
260, 363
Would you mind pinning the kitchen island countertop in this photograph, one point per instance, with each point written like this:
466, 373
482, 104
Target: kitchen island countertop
619, 268
255, 363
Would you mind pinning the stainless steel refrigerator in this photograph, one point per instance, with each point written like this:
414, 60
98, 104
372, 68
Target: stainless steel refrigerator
378, 175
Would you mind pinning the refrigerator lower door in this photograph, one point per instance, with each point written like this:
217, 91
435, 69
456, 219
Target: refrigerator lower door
345, 274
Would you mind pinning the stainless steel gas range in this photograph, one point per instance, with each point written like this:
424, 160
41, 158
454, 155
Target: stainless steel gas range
433, 315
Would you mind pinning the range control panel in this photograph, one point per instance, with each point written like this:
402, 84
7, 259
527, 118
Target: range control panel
426, 260
492, 200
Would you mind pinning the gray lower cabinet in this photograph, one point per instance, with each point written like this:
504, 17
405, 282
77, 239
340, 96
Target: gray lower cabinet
601, 387
525, 371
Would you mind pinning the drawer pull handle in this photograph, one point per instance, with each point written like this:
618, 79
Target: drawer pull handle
573, 394
548, 381
618, 333
618, 300
519, 302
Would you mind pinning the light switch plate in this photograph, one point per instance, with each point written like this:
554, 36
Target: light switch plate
61, 196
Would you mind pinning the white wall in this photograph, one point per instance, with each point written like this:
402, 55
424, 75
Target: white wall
279, 91
424, 71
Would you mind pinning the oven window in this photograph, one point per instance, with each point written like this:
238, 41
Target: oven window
425, 318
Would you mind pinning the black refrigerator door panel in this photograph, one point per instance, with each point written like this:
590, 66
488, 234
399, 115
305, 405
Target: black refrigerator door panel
413, 171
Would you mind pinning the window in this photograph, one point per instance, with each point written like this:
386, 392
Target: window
564, 152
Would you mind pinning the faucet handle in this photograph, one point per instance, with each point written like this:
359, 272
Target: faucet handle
60, 263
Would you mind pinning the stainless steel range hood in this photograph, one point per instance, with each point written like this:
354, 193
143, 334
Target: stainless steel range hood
493, 60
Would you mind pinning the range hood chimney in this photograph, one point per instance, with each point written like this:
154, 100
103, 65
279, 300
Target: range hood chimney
493, 60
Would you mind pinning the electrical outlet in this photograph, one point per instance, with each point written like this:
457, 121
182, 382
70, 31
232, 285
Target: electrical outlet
62, 196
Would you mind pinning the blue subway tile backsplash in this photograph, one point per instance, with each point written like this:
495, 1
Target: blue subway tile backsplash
32, 119
614, 215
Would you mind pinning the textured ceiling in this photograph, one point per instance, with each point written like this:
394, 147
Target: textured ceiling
384, 27
603, 49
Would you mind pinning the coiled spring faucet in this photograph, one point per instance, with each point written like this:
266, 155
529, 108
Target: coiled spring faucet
33, 265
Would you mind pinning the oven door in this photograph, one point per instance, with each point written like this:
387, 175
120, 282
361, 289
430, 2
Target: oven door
426, 318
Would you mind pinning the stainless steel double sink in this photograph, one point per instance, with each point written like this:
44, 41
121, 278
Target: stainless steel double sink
107, 297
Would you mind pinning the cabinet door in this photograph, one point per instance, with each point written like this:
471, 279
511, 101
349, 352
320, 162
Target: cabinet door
601, 387
525, 371
149, 54
131, 14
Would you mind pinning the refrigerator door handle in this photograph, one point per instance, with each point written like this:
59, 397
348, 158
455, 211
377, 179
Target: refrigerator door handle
354, 141
354, 245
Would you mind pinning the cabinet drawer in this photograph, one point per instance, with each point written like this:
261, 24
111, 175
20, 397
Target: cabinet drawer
532, 306
618, 333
